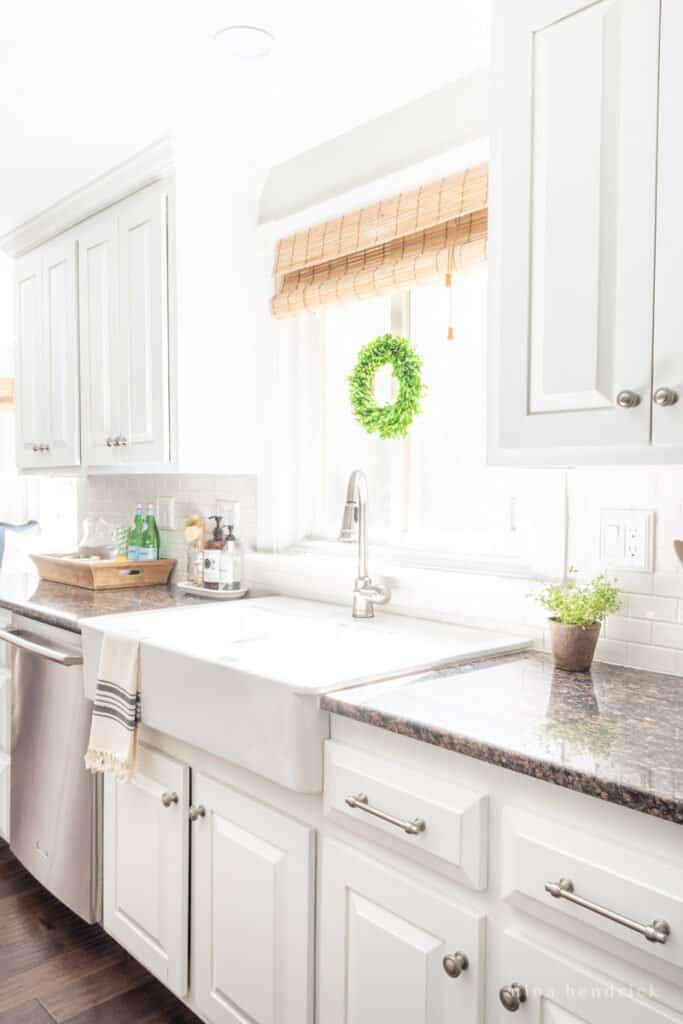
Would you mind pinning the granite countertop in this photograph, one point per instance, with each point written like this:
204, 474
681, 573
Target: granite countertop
60, 605
614, 733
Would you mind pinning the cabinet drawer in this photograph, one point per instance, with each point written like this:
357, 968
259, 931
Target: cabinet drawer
552, 989
625, 889
439, 823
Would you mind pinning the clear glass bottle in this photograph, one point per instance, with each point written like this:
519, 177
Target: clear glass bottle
135, 535
232, 563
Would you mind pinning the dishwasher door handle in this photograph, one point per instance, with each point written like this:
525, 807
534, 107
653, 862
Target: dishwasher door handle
11, 635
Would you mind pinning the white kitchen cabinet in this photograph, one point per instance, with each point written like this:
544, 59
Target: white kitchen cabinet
252, 910
549, 988
572, 251
384, 947
124, 318
48, 429
101, 376
667, 419
146, 865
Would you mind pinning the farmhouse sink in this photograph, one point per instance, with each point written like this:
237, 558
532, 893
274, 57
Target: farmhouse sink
242, 680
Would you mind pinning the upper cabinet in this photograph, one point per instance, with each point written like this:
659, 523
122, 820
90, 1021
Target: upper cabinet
577, 367
48, 429
102, 287
667, 419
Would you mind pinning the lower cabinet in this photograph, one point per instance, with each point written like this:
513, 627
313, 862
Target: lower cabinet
550, 989
252, 879
253, 872
392, 950
146, 865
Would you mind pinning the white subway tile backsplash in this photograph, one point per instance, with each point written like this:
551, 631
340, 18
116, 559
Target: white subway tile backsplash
669, 584
612, 651
647, 632
634, 582
653, 659
633, 630
641, 606
667, 634
114, 498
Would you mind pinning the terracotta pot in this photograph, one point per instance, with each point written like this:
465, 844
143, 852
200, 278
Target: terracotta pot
573, 646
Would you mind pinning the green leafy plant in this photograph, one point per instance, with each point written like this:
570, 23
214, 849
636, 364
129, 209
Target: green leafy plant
576, 604
387, 420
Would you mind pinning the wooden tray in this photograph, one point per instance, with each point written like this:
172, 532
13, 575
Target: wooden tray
103, 574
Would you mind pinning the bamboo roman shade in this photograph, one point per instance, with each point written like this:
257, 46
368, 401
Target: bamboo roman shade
409, 239
6, 392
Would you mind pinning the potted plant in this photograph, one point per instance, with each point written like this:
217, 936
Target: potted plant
577, 612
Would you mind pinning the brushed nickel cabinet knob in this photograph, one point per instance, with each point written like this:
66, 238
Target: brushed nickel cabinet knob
665, 396
628, 399
168, 799
454, 964
512, 996
197, 812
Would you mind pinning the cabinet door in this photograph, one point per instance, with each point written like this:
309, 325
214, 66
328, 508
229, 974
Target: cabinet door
383, 941
32, 363
60, 328
667, 420
143, 327
572, 221
560, 991
101, 373
146, 865
252, 911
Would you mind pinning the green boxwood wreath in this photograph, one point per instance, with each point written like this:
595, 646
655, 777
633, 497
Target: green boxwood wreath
387, 420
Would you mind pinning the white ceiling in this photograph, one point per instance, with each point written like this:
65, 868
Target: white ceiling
84, 84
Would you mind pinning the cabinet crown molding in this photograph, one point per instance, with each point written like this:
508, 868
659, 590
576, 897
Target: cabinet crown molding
151, 164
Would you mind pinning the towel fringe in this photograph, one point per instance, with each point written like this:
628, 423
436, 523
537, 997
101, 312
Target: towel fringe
105, 761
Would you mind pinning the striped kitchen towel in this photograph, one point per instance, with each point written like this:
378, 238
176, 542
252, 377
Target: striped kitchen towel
113, 732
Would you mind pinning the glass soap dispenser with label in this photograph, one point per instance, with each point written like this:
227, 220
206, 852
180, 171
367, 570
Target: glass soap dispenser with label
231, 562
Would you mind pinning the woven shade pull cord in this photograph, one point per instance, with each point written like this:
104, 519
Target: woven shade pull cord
449, 284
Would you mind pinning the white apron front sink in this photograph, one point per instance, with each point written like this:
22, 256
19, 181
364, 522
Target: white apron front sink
242, 680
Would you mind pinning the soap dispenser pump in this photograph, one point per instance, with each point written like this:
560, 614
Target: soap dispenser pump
232, 563
212, 554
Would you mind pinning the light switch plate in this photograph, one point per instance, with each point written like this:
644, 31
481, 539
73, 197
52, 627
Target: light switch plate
166, 513
627, 539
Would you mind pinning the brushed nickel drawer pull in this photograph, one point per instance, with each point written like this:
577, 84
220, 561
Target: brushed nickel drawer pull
658, 931
411, 828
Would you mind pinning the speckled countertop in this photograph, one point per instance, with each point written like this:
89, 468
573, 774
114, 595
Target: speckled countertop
614, 733
59, 605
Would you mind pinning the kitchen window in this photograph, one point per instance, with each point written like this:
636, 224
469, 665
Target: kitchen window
433, 500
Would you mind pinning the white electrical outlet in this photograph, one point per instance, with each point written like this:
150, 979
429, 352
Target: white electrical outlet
627, 539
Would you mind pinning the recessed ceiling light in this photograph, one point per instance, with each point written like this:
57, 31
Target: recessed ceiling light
245, 41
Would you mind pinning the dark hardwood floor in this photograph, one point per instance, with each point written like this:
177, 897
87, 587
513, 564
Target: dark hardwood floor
55, 968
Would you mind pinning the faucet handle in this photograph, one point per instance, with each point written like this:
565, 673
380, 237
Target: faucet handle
379, 592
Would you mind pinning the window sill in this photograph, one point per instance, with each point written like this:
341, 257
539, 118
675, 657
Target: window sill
387, 558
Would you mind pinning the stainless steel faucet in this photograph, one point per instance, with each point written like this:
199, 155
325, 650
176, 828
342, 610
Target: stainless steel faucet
366, 594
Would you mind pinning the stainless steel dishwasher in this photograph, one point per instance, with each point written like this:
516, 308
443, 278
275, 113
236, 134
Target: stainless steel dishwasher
55, 820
